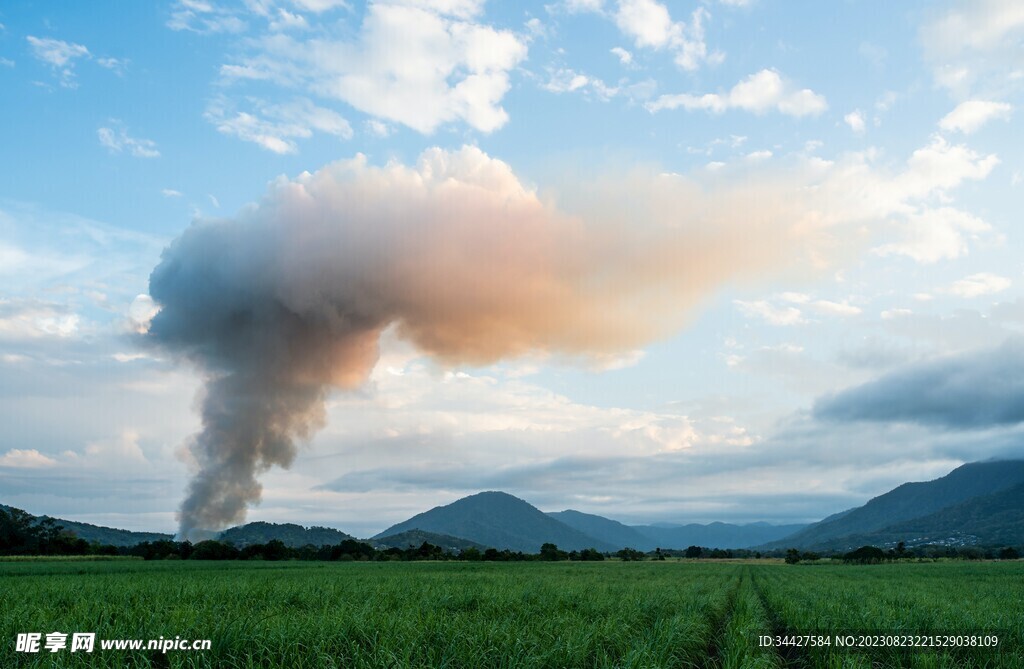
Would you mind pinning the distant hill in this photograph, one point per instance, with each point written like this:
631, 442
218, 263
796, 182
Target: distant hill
289, 533
717, 535
991, 520
609, 531
892, 512
664, 535
499, 520
110, 535
104, 535
415, 538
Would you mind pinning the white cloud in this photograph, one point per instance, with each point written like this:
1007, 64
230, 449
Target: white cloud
6, 62
285, 20
275, 127
377, 128
855, 120
650, 25
579, 6
759, 93
422, 64
170, 192
141, 312
32, 319
59, 55
791, 315
117, 65
975, 43
536, 28
319, 6
125, 447
116, 139
625, 57
770, 313
968, 116
567, 80
913, 204
831, 308
933, 234
25, 459
795, 298
204, 17
976, 285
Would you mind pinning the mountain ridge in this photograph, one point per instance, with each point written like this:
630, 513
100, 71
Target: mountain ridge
498, 520
906, 502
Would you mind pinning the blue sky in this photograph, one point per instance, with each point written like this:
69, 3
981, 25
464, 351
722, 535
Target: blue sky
839, 183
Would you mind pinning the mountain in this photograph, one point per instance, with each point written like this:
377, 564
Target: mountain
109, 535
104, 535
663, 535
609, 531
716, 535
993, 519
499, 520
990, 520
415, 539
913, 501
289, 533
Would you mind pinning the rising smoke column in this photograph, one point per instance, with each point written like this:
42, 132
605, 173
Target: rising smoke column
287, 300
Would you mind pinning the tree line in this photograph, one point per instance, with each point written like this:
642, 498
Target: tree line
21, 533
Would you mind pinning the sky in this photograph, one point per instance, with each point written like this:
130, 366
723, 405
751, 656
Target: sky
733, 260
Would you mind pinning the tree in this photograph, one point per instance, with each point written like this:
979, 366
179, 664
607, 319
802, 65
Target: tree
693, 552
214, 550
1009, 553
865, 555
550, 553
629, 555
792, 556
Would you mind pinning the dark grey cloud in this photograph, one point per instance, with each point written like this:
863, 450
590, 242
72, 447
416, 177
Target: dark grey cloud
973, 390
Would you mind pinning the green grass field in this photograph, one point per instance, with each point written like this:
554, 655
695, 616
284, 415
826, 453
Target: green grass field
478, 615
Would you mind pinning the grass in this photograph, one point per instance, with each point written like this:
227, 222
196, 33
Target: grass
68, 558
502, 615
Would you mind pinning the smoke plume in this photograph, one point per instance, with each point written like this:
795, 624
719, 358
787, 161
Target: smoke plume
287, 299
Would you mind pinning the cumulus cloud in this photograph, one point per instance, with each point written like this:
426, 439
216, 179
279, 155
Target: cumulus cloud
936, 233
975, 390
289, 298
976, 285
650, 25
25, 459
116, 139
625, 57
567, 80
421, 64
969, 116
759, 93
771, 314
855, 120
